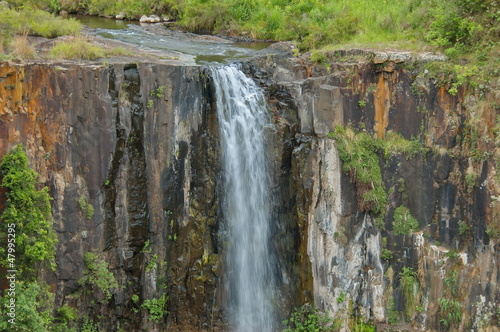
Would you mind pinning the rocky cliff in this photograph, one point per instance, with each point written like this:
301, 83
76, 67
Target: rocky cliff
130, 154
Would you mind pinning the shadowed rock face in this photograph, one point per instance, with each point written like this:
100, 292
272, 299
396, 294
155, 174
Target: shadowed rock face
140, 142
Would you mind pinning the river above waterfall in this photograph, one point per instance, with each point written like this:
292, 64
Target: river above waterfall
201, 49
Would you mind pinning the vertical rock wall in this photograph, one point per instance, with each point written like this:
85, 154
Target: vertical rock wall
139, 142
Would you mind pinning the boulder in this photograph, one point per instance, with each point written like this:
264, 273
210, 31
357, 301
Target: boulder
144, 19
120, 16
154, 19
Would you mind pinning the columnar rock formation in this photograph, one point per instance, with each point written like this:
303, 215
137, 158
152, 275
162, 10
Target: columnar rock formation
139, 142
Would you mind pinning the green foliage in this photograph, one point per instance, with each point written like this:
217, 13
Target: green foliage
88, 325
386, 254
30, 211
452, 254
66, 314
394, 143
361, 326
358, 153
450, 309
380, 223
309, 319
463, 228
156, 308
150, 104
362, 103
146, 248
33, 307
404, 222
158, 92
86, 207
392, 314
80, 48
97, 276
409, 286
341, 297
492, 232
450, 312
152, 263
36, 22
463, 75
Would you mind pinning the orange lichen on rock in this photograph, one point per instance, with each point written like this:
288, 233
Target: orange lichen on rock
382, 104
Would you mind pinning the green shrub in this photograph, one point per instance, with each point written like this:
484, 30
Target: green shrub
33, 309
386, 254
66, 314
86, 207
409, 286
97, 276
156, 308
307, 319
404, 222
29, 210
358, 153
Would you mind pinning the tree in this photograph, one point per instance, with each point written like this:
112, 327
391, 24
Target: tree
28, 212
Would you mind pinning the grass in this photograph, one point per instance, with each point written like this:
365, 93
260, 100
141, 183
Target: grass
36, 22
81, 48
409, 286
21, 48
360, 152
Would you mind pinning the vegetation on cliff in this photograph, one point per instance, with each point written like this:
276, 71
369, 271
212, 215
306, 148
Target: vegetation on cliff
29, 210
29, 246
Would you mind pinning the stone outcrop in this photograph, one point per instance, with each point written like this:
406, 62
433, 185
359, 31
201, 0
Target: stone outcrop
139, 142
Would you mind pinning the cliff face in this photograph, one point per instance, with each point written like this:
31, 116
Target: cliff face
139, 143
357, 261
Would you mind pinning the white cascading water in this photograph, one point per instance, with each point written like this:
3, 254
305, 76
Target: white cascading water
243, 116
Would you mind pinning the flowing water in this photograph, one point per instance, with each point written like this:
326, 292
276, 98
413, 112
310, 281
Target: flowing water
243, 117
200, 49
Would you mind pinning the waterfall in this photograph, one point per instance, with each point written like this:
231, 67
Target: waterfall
243, 116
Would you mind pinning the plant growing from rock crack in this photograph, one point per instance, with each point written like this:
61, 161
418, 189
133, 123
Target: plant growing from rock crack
97, 276
450, 309
404, 222
156, 308
409, 286
86, 207
307, 319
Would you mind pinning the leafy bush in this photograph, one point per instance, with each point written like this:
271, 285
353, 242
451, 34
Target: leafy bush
98, 277
30, 211
156, 308
358, 153
404, 222
307, 319
386, 254
33, 307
